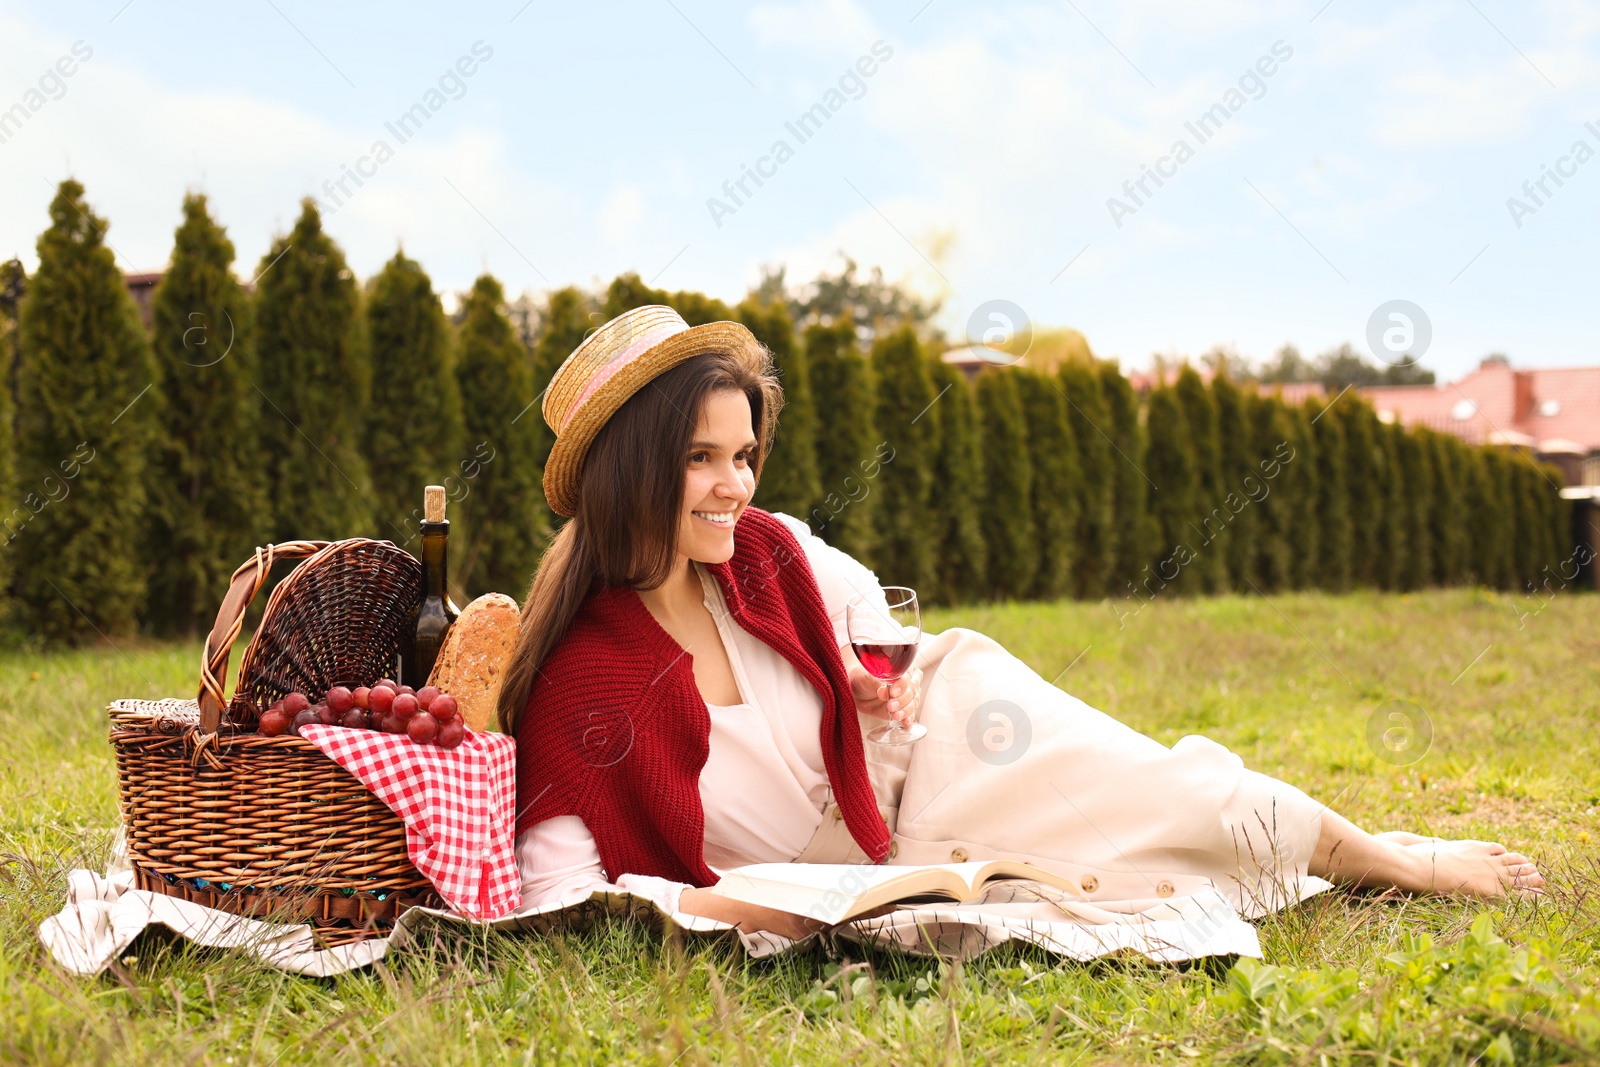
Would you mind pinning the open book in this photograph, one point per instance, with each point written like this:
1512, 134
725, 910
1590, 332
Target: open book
837, 892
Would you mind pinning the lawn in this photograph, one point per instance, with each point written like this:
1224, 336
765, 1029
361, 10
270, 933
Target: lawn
1511, 696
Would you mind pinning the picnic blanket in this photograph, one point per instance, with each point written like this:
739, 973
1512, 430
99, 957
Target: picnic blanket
104, 915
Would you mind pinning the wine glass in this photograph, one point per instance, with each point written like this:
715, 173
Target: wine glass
884, 637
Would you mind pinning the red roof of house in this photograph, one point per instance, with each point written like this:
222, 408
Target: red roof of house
1293, 393
1556, 410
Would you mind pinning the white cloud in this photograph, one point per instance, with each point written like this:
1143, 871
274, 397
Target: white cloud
838, 26
136, 145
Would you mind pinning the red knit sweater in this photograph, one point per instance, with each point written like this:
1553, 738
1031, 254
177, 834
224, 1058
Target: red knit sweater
616, 731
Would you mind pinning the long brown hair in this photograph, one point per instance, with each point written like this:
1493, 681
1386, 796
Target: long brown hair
630, 503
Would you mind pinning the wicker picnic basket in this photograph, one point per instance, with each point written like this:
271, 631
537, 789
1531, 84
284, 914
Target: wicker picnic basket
269, 826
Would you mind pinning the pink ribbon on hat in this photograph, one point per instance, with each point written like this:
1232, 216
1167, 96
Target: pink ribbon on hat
607, 370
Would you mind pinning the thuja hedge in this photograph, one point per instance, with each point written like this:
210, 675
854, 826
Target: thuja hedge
142, 465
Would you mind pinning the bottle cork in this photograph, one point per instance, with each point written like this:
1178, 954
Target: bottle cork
433, 503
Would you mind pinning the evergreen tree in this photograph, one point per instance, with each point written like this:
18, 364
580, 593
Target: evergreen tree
1364, 483
1512, 524
1008, 524
848, 462
506, 517
315, 385
1446, 507
1209, 569
1235, 513
1394, 542
1137, 533
1559, 542
206, 486
86, 398
566, 322
1170, 464
1334, 527
789, 478
1532, 539
1271, 432
907, 544
1297, 481
627, 291
414, 434
1502, 469
962, 552
1097, 460
1057, 484
1418, 475
1483, 499
13, 283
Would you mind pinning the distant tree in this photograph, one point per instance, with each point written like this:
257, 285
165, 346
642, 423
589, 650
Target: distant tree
1364, 473
1539, 540
1209, 569
1559, 545
628, 291
1137, 532
1288, 365
789, 478
1224, 360
1416, 465
1057, 484
1008, 519
1049, 350
414, 436
1297, 482
13, 283
1334, 526
874, 306
504, 509
1448, 517
1394, 527
316, 382
1485, 505
84, 421
1504, 460
1097, 460
1558, 522
848, 463
1233, 519
1344, 366
906, 541
1170, 465
959, 500
1271, 435
206, 484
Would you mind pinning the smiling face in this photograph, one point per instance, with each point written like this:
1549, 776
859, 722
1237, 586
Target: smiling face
719, 477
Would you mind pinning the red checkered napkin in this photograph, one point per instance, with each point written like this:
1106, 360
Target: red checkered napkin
457, 805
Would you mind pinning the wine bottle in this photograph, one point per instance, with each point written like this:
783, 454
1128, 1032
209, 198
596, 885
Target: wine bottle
435, 612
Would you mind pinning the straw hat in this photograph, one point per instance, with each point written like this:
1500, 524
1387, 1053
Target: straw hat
611, 365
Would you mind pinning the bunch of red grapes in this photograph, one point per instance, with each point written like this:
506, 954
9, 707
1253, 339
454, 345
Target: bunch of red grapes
428, 716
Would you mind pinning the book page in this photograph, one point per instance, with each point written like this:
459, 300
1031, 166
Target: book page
833, 892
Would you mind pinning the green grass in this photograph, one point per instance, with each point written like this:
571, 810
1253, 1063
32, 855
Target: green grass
1289, 683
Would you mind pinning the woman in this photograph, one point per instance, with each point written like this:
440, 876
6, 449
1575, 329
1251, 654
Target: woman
685, 699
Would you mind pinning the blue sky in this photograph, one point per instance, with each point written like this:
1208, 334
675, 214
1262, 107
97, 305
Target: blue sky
976, 161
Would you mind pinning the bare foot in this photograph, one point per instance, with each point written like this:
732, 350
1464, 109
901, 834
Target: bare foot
1483, 869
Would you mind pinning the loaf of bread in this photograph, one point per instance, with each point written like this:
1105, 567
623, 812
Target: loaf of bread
473, 660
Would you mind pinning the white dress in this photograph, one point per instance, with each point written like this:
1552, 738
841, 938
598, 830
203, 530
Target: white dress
1012, 768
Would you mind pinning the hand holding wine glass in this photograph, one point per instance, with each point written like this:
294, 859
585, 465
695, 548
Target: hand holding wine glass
884, 637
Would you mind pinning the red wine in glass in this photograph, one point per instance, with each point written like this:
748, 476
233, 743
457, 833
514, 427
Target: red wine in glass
884, 634
886, 661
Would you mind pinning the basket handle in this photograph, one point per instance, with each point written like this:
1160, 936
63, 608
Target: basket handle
247, 581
